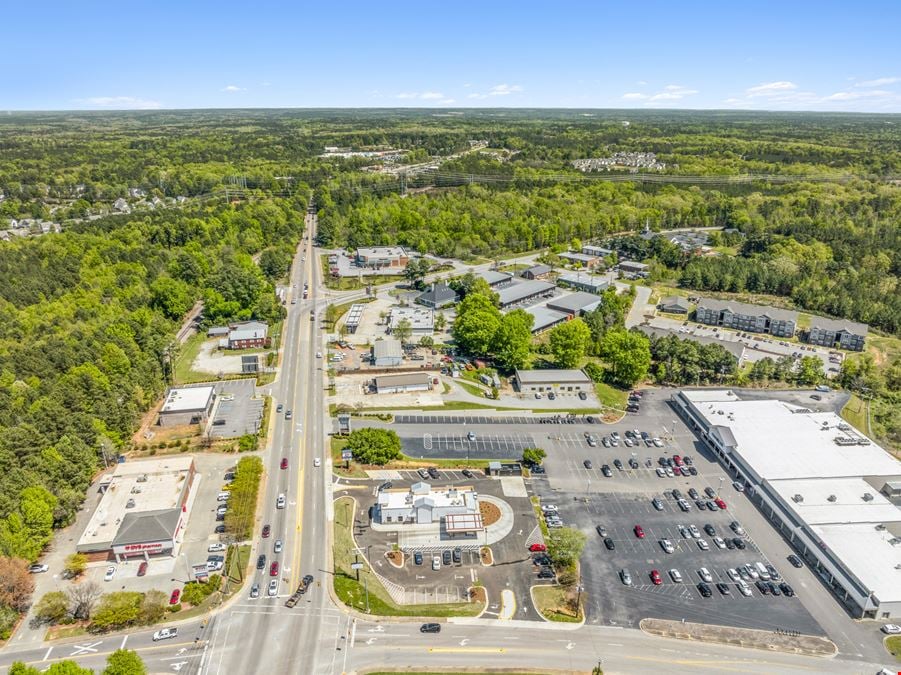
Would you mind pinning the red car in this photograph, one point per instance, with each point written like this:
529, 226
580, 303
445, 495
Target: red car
273, 569
719, 502
173, 599
677, 459
639, 532
142, 569
266, 531
537, 547
284, 462
677, 471
655, 577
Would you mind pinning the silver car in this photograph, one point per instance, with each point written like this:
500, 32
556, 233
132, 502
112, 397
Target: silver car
273, 588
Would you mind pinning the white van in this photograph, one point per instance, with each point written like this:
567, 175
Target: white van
223, 496
762, 571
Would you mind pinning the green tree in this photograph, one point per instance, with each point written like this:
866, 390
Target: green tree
53, 607
275, 262
568, 343
810, 370
171, 296
75, 565
426, 341
374, 446
403, 330
476, 323
564, 546
117, 610
512, 340
628, 354
193, 593
67, 668
124, 662
533, 456
440, 321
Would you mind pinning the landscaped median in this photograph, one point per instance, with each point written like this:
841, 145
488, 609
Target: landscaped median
356, 470
368, 595
558, 603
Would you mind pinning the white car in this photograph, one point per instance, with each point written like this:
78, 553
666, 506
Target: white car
280, 502
110, 573
891, 629
548, 507
667, 546
661, 472
317, 462
165, 634
278, 546
37, 568
272, 591
720, 542
436, 563
675, 576
705, 575
658, 442
703, 545
743, 588
733, 574
695, 532
215, 548
318, 355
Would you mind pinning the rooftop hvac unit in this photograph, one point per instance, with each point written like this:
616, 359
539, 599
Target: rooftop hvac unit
867, 497
894, 541
880, 527
831, 498
797, 499
843, 427
863, 441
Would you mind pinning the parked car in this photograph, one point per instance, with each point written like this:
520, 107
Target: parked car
446, 557
709, 529
533, 548
470, 474
607, 471
215, 548
174, 598
587, 464
676, 576
704, 590
142, 569
657, 504
110, 573
667, 546
655, 578
639, 532
625, 577
608, 542
38, 568
417, 558
737, 528
795, 561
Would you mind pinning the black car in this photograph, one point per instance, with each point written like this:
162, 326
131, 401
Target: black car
446, 557
546, 573
618, 464
632, 409
774, 589
730, 544
787, 590
386, 485
763, 587
704, 590
433, 472
662, 461
541, 559
723, 588
220, 517
307, 579
470, 474
677, 494
458, 555
261, 562
587, 464
702, 505
710, 529
795, 561
739, 543
774, 575
220, 529
430, 628
608, 542
633, 462
693, 471
417, 558
536, 469
687, 460
710, 492
693, 493
607, 471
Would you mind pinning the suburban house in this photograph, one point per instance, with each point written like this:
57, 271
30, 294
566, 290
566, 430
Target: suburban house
121, 206
552, 379
402, 383
245, 335
386, 353
837, 333
421, 504
536, 272
379, 257
673, 304
437, 296
742, 316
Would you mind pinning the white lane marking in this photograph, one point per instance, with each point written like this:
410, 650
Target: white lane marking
85, 649
47, 655
124, 640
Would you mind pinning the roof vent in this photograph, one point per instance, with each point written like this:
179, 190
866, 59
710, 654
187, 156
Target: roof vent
894, 541
867, 497
831, 498
843, 426
880, 527
797, 499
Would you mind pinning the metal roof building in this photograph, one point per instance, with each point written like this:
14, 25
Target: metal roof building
386, 352
545, 318
575, 304
523, 291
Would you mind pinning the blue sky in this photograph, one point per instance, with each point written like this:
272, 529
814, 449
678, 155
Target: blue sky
789, 55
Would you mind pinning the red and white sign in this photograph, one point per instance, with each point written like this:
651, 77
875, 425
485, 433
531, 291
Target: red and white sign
151, 547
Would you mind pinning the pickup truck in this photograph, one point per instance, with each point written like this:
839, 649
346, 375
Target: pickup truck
165, 634
301, 589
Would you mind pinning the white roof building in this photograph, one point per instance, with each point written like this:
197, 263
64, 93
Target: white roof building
823, 484
422, 504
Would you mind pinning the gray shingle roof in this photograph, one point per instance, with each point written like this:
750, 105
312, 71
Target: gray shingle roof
748, 309
387, 348
141, 527
839, 324
438, 294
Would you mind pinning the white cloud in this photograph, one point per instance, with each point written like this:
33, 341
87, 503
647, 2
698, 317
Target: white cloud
504, 89
878, 82
634, 96
231, 88
120, 102
673, 92
854, 95
771, 88
474, 95
448, 101
431, 95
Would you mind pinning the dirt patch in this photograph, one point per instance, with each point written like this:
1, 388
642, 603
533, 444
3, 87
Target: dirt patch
486, 556
741, 637
490, 513
396, 558
478, 594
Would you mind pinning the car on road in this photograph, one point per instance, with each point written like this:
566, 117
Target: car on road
317, 462
279, 408
288, 414
215, 548
38, 568
318, 355
436, 563
261, 561
273, 569
281, 502
891, 629
704, 590
255, 591
110, 573
284, 463
639, 532
142, 569
174, 598
587, 464
795, 561
165, 634
655, 578
610, 544
625, 577
537, 547
430, 628
272, 590
278, 546
266, 531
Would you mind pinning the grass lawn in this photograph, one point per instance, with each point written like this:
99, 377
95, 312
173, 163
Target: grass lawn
63, 632
405, 462
354, 593
855, 412
536, 506
893, 645
611, 396
185, 360
557, 603
238, 559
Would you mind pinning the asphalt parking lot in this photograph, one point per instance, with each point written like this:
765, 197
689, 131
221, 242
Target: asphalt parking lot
239, 411
456, 446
